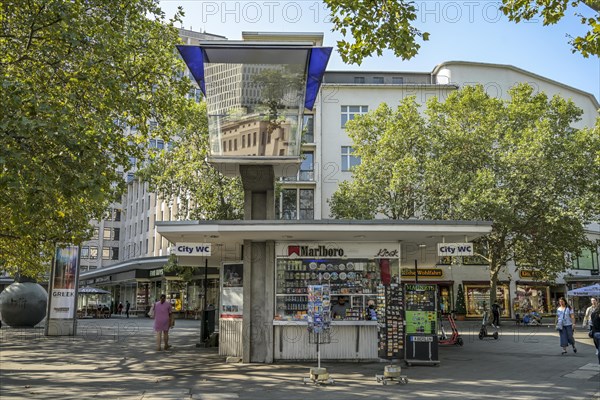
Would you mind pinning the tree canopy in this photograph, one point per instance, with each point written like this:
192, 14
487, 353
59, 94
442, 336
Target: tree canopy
388, 24
517, 163
75, 76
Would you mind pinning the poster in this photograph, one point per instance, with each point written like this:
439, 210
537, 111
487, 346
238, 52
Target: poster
232, 293
62, 295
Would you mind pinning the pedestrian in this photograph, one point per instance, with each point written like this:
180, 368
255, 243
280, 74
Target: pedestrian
565, 324
587, 318
127, 307
163, 314
595, 324
496, 314
120, 308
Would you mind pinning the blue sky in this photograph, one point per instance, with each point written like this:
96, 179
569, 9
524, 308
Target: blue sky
460, 30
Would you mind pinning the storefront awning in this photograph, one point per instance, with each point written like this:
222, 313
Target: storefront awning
417, 231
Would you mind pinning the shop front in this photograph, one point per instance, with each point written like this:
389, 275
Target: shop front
354, 272
477, 298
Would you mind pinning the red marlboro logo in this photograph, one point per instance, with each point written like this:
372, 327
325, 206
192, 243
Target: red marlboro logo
293, 250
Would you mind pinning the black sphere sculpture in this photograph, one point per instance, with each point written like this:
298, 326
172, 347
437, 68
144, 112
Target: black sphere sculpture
23, 304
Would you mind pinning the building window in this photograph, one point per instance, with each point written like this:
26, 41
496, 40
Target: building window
588, 259
397, 80
296, 204
378, 80
349, 160
288, 206
359, 79
115, 253
85, 252
106, 253
243, 141
307, 204
107, 234
349, 112
116, 233
117, 212
93, 252
307, 168
96, 233
308, 133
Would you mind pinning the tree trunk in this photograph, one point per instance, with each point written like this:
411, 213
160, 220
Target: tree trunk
494, 271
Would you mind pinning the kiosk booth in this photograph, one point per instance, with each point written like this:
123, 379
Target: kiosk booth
263, 310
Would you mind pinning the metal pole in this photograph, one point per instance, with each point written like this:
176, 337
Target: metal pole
204, 321
416, 272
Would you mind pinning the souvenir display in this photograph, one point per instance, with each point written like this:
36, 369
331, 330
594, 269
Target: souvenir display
319, 313
293, 276
390, 317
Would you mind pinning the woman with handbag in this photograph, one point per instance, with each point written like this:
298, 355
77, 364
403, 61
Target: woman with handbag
565, 325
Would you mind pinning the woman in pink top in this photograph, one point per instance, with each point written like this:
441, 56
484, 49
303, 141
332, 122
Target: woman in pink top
162, 320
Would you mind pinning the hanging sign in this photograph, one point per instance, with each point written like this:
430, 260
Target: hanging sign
191, 249
455, 249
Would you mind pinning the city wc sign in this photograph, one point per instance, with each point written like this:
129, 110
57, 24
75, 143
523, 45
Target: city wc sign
191, 249
455, 249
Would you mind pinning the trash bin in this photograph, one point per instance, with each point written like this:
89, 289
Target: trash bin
209, 315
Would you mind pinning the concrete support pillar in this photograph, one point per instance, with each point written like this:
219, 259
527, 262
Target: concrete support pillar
257, 326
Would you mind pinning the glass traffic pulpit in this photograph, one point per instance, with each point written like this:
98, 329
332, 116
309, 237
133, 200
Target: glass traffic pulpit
256, 93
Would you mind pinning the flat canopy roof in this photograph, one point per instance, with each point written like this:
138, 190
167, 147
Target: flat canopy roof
419, 231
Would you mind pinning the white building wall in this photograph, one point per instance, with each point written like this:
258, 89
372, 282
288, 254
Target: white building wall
498, 79
332, 136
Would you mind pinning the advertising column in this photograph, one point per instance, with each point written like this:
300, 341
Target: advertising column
421, 324
62, 302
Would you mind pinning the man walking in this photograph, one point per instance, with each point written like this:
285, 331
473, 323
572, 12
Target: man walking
127, 307
496, 314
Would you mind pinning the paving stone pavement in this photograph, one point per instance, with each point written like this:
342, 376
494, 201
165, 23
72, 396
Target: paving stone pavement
115, 359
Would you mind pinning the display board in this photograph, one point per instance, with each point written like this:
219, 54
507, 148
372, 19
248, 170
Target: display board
390, 318
421, 324
232, 291
319, 312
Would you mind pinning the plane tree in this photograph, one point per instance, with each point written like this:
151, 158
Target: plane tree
518, 163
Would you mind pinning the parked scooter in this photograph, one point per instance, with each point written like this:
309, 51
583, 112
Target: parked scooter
483, 332
454, 338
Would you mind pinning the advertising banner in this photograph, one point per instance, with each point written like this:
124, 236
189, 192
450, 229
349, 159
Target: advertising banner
63, 300
232, 294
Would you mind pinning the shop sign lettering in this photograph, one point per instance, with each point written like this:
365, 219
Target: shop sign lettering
455, 249
424, 272
319, 251
192, 249
156, 272
385, 253
524, 273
